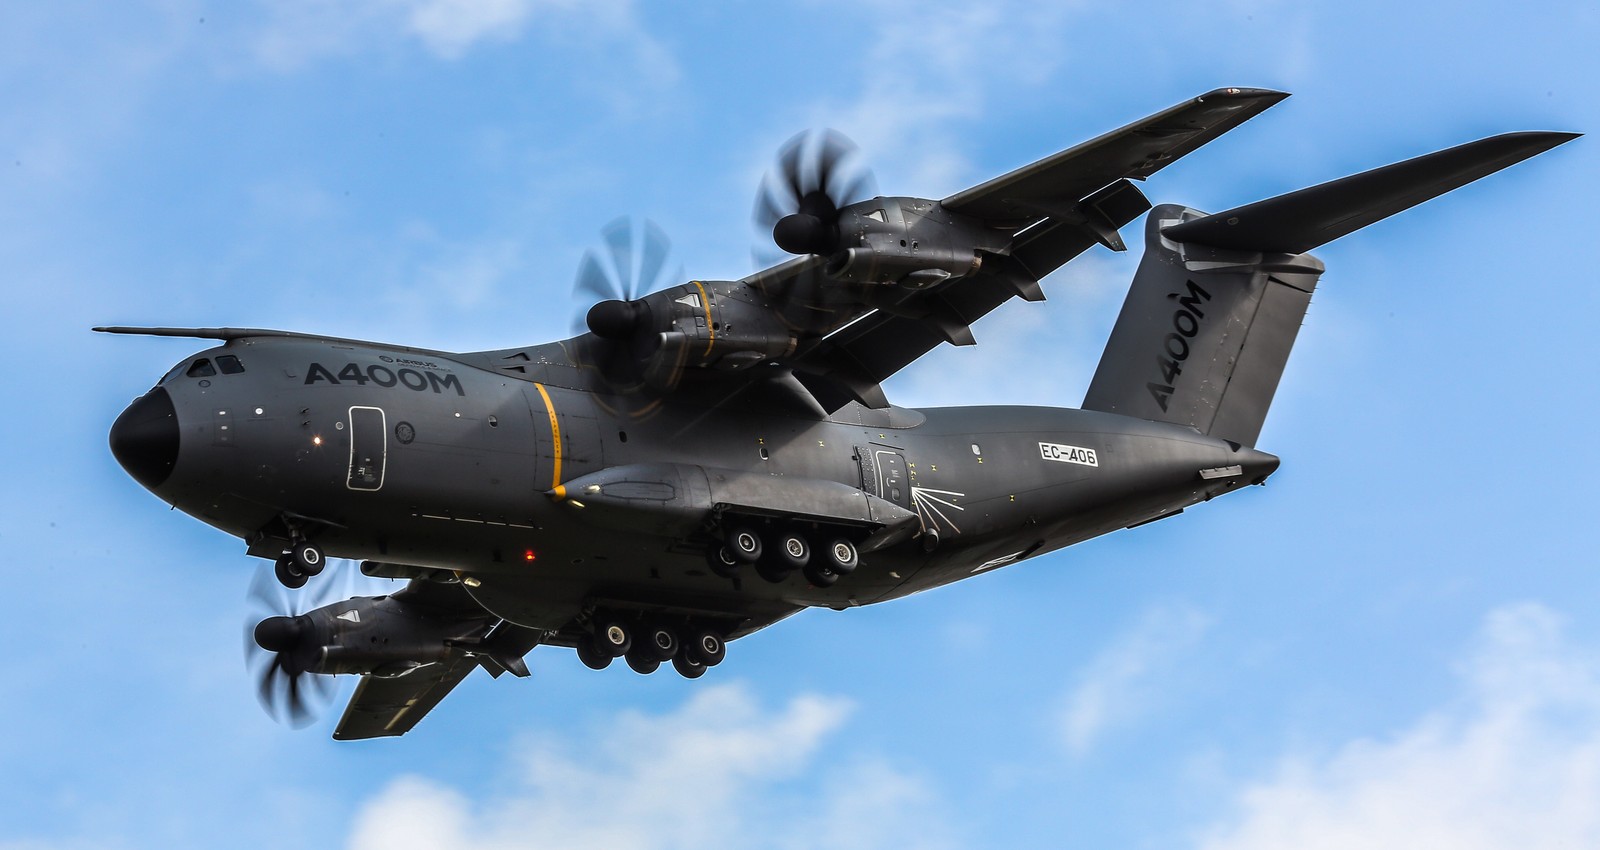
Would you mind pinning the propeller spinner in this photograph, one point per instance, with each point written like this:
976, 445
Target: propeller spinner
818, 173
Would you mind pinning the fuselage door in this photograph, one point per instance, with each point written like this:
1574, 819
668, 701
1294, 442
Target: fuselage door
883, 474
369, 446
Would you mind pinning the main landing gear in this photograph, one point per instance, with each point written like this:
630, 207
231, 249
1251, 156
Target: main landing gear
646, 645
294, 567
776, 554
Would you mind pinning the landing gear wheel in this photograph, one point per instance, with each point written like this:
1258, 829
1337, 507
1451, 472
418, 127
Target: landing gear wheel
841, 557
688, 668
287, 574
661, 642
744, 544
773, 570
705, 647
794, 551
592, 657
612, 637
722, 561
308, 558
642, 665
821, 575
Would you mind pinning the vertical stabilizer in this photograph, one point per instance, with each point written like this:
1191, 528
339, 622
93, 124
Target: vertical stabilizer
1214, 309
1204, 334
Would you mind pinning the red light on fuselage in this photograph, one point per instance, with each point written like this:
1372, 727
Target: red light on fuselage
528, 555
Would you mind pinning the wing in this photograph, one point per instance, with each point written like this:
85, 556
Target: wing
902, 275
1135, 151
850, 364
1054, 209
385, 707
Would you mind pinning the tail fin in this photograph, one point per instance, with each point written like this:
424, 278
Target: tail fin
1218, 299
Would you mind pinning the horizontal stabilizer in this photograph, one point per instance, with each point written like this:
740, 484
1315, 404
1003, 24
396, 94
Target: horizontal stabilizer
1300, 221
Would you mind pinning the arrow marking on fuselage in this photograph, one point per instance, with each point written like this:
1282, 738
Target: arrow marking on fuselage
928, 504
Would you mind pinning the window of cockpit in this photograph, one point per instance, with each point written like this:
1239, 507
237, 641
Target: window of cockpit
202, 368
229, 364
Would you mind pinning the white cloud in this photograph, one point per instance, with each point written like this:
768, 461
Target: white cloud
299, 32
1126, 678
719, 771
927, 72
1515, 764
450, 27
470, 275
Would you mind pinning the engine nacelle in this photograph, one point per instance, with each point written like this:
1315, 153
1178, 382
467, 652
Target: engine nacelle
380, 635
914, 266
712, 325
911, 242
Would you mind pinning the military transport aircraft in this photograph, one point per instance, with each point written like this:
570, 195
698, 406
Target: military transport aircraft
712, 457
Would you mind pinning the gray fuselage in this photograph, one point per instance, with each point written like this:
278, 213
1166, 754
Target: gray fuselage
457, 463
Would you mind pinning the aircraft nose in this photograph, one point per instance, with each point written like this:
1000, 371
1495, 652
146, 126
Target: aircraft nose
145, 438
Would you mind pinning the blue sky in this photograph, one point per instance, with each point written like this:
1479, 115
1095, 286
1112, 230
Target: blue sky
1394, 644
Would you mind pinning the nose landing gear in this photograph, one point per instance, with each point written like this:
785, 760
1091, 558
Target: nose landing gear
287, 573
307, 558
294, 567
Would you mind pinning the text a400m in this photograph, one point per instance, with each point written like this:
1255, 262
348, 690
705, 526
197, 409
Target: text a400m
384, 376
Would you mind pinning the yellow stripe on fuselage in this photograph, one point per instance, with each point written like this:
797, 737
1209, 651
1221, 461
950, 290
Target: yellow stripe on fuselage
555, 435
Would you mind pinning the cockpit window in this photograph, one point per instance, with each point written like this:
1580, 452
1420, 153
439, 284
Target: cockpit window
229, 364
202, 368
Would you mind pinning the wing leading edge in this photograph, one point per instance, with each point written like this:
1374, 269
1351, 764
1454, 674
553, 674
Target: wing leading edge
1135, 152
1058, 208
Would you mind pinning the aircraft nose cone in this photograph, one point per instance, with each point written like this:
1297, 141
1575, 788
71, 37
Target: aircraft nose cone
145, 438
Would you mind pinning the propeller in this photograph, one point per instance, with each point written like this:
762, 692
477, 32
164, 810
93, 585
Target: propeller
637, 260
797, 208
818, 172
282, 644
616, 279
